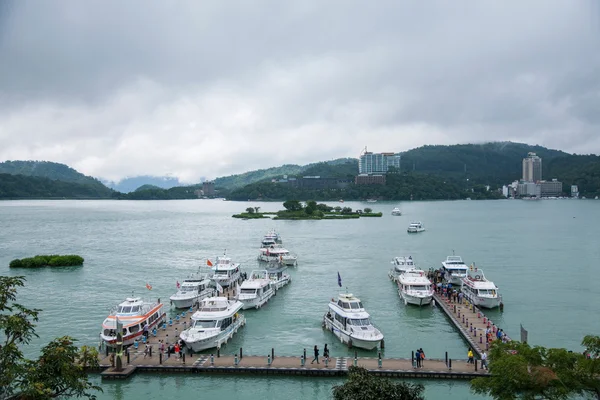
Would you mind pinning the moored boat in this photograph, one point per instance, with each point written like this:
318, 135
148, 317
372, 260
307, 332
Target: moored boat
480, 291
401, 265
226, 272
193, 289
415, 227
274, 236
348, 320
256, 290
215, 322
279, 278
415, 288
132, 316
454, 269
278, 255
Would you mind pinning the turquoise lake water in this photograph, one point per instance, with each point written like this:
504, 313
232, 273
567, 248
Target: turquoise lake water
543, 255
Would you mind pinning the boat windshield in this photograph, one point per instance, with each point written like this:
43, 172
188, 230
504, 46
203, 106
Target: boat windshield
457, 271
204, 323
224, 273
487, 292
128, 309
418, 287
248, 291
186, 289
359, 322
356, 305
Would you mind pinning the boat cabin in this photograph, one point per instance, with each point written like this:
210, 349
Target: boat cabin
192, 286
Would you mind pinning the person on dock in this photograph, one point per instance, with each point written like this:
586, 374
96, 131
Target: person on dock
177, 348
471, 359
418, 358
422, 357
180, 348
316, 355
325, 352
162, 346
146, 350
484, 360
146, 330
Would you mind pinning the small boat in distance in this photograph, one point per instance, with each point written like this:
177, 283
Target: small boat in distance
349, 321
278, 255
133, 314
272, 235
454, 269
415, 288
396, 211
256, 290
401, 265
371, 200
193, 289
480, 291
215, 322
415, 227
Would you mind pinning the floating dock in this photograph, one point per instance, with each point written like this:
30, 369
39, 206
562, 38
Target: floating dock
470, 322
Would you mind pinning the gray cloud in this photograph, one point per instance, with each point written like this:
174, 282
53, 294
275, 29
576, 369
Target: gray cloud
196, 89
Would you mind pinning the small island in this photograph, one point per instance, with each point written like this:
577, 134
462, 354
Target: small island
295, 210
47, 261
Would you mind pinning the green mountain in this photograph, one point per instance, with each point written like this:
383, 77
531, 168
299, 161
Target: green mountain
33, 187
147, 187
56, 172
241, 180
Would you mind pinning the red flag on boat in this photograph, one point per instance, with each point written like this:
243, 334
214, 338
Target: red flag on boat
148, 286
209, 263
178, 285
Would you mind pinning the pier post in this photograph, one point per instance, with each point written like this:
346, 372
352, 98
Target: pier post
458, 313
149, 351
412, 358
467, 322
379, 362
241, 353
272, 353
455, 309
476, 361
218, 352
128, 356
106, 351
463, 318
212, 360
355, 358
160, 357
484, 320
446, 358
236, 360
304, 354
183, 357
450, 363
480, 339
382, 344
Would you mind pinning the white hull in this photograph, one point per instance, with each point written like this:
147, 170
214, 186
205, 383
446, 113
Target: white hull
455, 280
256, 301
226, 282
201, 342
128, 340
416, 299
184, 303
415, 230
281, 282
187, 302
484, 302
286, 260
347, 338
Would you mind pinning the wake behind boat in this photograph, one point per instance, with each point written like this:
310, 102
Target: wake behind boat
215, 322
256, 290
134, 314
349, 321
480, 291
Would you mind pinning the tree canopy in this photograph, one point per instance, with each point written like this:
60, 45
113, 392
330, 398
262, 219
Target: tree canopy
60, 370
364, 386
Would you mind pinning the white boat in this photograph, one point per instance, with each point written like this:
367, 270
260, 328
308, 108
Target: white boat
225, 272
278, 255
133, 314
193, 289
215, 322
273, 235
396, 211
401, 265
480, 291
268, 242
454, 270
278, 277
349, 321
371, 200
415, 288
415, 227
256, 290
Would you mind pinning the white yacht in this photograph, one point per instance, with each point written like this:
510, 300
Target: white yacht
396, 211
278, 277
273, 235
277, 254
415, 288
480, 291
132, 315
215, 322
454, 270
225, 272
415, 227
256, 290
349, 321
401, 265
192, 290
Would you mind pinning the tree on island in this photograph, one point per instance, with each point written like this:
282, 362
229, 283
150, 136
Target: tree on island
292, 205
250, 210
368, 210
519, 371
364, 386
60, 370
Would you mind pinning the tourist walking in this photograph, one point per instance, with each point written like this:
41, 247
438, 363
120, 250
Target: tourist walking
325, 352
176, 351
422, 356
146, 330
418, 358
471, 359
484, 360
316, 355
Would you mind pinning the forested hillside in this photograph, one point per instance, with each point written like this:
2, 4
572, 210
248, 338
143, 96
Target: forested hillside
33, 187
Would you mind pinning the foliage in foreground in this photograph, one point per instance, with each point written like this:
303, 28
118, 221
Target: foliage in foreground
519, 371
60, 371
53, 260
364, 386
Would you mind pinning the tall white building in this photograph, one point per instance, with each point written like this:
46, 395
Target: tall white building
532, 168
377, 163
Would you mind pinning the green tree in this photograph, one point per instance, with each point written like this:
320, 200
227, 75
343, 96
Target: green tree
363, 386
368, 210
250, 210
346, 210
256, 209
337, 208
292, 205
60, 369
520, 371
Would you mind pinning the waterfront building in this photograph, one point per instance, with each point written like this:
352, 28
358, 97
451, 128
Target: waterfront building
551, 189
365, 179
529, 189
208, 188
574, 191
377, 163
532, 168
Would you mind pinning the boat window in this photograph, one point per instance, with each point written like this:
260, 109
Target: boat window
354, 305
220, 272
135, 309
224, 323
125, 309
248, 291
204, 323
340, 303
359, 322
134, 329
345, 305
418, 287
360, 304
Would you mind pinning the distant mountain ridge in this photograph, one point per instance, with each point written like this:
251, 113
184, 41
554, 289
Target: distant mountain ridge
35, 187
133, 183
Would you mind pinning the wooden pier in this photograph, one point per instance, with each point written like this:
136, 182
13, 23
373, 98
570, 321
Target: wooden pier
469, 321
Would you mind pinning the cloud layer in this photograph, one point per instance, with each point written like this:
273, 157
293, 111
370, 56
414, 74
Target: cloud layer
194, 89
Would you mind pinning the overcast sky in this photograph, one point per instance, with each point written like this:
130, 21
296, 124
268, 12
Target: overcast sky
209, 88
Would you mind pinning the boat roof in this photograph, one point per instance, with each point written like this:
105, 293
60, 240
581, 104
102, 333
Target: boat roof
454, 259
132, 301
404, 260
475, 278
255, 283
274, 250
195, 282
414, 279
416, 223
347, 297
217, 307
